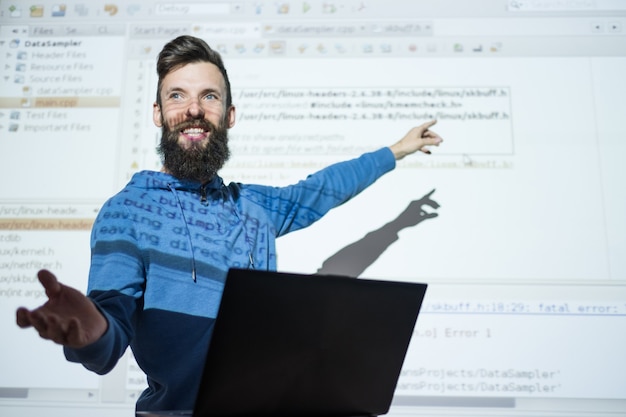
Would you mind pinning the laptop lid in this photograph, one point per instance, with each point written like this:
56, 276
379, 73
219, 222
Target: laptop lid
288, 344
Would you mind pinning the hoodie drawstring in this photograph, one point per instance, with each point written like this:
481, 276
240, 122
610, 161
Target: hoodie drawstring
182, 213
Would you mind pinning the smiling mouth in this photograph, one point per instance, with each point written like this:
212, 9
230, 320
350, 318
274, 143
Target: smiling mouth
194, 133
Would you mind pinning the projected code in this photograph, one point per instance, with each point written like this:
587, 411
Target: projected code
458, 345
479, 380
29, 241
545, 307
376, 104
18, 263
344, 118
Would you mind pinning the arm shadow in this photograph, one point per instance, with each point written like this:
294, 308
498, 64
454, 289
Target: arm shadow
355, 258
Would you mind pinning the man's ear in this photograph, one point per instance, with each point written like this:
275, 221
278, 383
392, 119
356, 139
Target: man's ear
157, 117
231, 116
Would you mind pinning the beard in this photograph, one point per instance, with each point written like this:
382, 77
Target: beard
198, 161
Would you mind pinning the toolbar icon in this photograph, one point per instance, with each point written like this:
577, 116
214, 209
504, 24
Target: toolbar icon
36, 11
58, 10
110, 9
282, 8
15, 11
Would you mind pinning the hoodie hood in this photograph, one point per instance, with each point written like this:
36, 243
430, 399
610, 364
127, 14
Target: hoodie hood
160, 180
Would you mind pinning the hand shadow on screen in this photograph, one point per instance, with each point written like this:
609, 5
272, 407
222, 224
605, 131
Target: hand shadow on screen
357, 257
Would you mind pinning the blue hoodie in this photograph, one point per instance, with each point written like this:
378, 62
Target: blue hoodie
161, 249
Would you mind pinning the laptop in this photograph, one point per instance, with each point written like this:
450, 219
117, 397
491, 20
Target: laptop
287, 344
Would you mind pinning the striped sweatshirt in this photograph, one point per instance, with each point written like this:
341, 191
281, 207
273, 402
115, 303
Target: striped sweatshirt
160, 251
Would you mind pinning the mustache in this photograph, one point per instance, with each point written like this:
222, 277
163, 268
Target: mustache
192, 123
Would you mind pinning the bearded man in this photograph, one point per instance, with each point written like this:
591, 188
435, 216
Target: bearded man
161, 247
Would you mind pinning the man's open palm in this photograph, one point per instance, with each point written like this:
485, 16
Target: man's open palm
68, 317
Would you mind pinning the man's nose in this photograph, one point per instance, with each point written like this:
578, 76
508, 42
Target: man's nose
194, 110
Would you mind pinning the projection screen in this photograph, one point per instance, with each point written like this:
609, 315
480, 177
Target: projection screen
516, 221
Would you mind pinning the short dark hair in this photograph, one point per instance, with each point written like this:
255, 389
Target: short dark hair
186, 50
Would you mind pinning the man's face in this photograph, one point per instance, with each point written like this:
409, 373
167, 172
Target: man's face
194, 120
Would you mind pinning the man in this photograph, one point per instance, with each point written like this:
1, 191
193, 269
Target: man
161, 248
